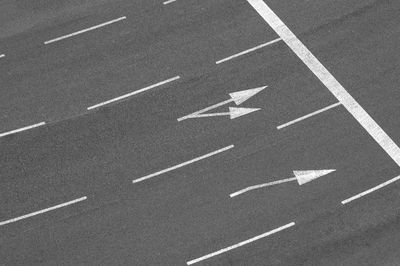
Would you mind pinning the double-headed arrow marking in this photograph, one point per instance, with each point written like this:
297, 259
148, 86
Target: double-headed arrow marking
237, 97
301, 177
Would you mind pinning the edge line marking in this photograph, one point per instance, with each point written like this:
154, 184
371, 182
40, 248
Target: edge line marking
330, 82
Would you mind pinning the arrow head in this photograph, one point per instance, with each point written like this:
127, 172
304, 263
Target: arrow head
310, 175
240, 97
236, 112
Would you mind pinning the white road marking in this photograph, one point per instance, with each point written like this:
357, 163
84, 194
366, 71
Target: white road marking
234, 112
22, 129
302, 177
168, 2
241, 244
42, 211
248, 51
183, 164
134, 93
371, 190
84, 30
238, 97
2, 55
328, 80
309, 115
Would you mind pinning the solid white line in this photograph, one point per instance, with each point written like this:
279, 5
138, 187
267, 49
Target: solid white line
168, 2
240, 244
22, 129
309, 115
84, 30
248, 51
237, 193
371, 190
328, 80
42, 211
183, 164
134, 93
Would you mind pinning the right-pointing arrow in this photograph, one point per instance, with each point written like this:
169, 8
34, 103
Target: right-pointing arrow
301, 177
236, 112
240, 97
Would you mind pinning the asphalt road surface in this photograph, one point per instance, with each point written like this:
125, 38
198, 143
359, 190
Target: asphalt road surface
97, 168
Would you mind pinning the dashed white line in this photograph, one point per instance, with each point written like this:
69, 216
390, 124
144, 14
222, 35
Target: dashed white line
169, 2
183, 164
248, 51
42, 211
2, 55
330, 82
371, 190
22, 129
309, 115
240, 244
84, 30
134, 93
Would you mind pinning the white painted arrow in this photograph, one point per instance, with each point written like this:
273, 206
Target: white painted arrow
302, 177
234, 112
238, 98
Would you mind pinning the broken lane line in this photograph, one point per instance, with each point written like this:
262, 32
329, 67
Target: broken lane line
183, 164
84, 30
22, 129
42, 211
168, 2
248, 51
330, 82
2, 55
308, 116
241, 243
362, 194
134, 93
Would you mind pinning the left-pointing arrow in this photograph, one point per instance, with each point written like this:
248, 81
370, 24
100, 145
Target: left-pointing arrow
301, 177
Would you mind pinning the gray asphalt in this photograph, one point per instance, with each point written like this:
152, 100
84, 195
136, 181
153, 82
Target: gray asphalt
187, 213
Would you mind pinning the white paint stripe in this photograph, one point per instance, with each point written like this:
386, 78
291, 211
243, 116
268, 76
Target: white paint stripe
2, 55
328, 80
183, 164
195, 114
22, 129
134, 93
168, 2
371, 190
240, 244
309, 115
84, 30
248, 51
237, 193
42, 211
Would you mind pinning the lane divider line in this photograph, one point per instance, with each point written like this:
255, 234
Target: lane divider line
309, 115
42, 211
133, 93
168, 2
84, 30
241, 243
183, 164
330, 82
362, 194
2, 55
22, 129
248, 51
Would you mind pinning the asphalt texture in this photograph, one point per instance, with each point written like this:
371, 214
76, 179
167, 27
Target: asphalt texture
187, 213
